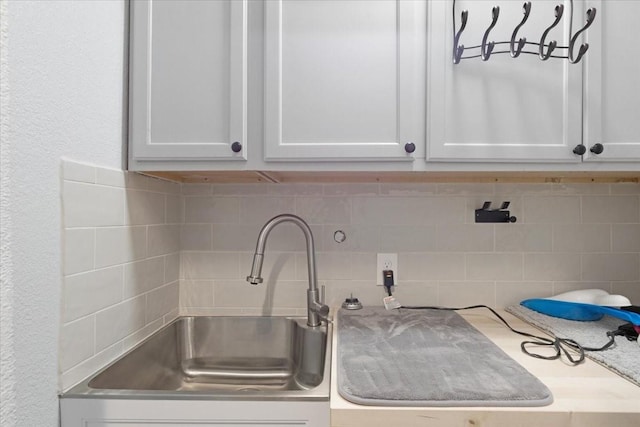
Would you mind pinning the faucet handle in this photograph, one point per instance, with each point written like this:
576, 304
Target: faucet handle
323, 289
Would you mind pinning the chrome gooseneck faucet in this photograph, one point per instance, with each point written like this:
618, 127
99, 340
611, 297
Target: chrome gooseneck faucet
315, 309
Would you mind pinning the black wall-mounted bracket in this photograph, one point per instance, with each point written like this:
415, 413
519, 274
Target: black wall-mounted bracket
486, 214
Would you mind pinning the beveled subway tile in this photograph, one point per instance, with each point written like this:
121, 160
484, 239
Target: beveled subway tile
258, 210
401, 238
626, 237
551, 266
408, 190
79, 172
208, 209
196, 237
523, 237
610, 209
291, 190
163, 239
417, 293
580, 189
143, 276
357, 238
408, 211
238, 189
144, 207
118, 321
324, 210
117, 245
611, 267
111, 177
174, 206
432, 266
344, 189
171, 267
196, 293
89, 292
466, 189
196, 189
625, 188
582, 238
465, 238
87, 205
494, 266
512, 293
329, 265
79, 250
552, 210
464, 294
76, 342
161, 301
239, 293
209, 265
163, 186
276, 266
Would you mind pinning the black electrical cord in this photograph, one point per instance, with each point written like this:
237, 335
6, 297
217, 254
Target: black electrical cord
561, 345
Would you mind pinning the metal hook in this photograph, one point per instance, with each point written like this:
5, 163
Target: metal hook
515, 52
458, 49
591, 15
487, 48
552, 44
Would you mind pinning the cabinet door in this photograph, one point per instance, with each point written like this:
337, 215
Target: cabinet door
188, 80
612, 85
342, 80
504, 109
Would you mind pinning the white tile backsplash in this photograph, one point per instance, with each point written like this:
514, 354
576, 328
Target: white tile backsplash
137, 248
90, 205
442, 252
121, 264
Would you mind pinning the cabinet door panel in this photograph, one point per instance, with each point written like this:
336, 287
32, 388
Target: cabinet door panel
188, 79
339, 76
505, 109
612, 88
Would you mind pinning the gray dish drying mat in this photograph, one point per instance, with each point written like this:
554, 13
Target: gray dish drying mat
427, 358
623, 358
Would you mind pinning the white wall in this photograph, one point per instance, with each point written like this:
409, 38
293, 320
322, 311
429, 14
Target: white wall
62, 95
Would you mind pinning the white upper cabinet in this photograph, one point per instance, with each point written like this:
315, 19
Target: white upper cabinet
612, 83
504, 109
188, 81
342, 79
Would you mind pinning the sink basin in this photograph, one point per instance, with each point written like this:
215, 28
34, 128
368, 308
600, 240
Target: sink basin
278, 358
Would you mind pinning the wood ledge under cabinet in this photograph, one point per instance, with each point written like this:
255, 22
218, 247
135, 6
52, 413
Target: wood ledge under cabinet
271, 177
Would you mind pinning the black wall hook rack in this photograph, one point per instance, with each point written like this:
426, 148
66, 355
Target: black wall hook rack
544, 49
486, 214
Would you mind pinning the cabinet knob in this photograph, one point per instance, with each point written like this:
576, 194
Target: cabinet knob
409, 147
236, 147
597, 148
580, 150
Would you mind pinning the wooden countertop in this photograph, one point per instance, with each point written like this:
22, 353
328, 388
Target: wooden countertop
588, 395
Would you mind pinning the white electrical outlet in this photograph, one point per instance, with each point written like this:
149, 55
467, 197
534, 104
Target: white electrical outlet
386, 262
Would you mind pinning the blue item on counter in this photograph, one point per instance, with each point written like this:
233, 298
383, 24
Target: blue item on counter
578, 311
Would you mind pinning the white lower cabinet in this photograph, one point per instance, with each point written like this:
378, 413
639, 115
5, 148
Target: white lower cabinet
174, 413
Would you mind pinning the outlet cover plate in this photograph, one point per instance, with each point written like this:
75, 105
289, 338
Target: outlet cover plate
387, 262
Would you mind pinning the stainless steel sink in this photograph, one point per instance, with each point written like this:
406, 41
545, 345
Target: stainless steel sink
257, 358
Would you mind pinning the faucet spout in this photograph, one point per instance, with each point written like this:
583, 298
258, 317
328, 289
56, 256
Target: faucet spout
316, 310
